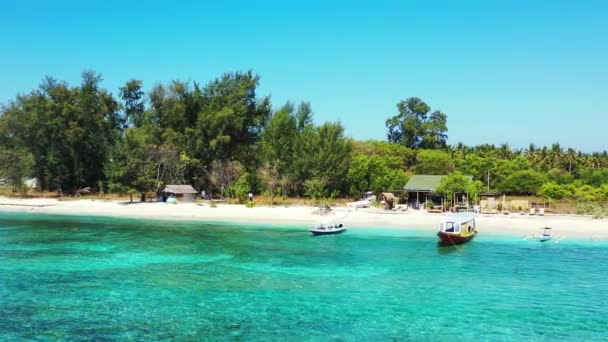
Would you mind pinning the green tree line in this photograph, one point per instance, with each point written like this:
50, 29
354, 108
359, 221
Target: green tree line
226, 139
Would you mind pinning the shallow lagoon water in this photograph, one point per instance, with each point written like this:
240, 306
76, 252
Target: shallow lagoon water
107, 279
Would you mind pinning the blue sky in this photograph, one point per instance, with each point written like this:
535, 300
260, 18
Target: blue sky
515, 71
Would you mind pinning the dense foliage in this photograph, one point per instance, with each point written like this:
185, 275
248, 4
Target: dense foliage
415, 126
457, 182
222, 137
68, 131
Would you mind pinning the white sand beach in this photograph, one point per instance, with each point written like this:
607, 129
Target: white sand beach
565, 226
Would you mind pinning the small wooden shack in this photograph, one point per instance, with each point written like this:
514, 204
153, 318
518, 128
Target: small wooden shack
184, 193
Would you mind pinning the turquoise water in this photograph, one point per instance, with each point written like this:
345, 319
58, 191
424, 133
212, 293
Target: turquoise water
108, 279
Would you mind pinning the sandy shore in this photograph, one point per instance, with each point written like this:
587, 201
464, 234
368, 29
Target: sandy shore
565, 226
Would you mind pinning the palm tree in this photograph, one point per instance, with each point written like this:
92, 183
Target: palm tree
556, 155
570, 158
505, 151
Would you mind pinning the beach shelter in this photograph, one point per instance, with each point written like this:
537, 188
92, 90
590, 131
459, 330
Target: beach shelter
421, 188
184, 193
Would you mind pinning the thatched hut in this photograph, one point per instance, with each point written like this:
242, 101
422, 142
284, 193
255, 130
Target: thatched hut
184, 193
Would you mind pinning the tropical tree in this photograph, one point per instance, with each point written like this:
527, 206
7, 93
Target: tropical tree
278, 144
223, 174
324, 153
523, 182
457, 182
134, 104
375, 173
433, 162
69, 132
553, 191
415, 126
270, 178
231, 118
406, 156
132, 170
453, 183
15, 165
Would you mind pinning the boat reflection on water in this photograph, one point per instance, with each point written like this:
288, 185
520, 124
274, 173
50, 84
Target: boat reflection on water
447, 250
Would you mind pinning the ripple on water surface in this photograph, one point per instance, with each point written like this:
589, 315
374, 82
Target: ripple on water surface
101, 278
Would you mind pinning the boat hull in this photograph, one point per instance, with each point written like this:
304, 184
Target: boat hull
327, 232
446, 239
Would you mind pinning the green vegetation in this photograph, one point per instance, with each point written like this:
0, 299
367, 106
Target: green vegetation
457, 182
375, 173
433, 162
594, 209
222, 137
415, 126
526, 182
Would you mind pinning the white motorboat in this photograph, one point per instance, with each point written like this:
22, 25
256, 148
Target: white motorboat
546, 235
327, 228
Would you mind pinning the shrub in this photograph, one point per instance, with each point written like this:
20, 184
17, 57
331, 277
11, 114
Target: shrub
596, 210
241, 187
603, 192
587, 193
315, 188
553, 191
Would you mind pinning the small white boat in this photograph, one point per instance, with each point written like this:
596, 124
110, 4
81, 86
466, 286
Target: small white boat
546, 235
360, 204
369, 196
327, 228
365, 202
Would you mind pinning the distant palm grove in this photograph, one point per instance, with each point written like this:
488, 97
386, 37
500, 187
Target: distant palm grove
222, 137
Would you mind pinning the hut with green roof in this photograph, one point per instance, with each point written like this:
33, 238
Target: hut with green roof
422, 188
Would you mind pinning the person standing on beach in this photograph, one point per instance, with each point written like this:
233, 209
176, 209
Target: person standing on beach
250, 196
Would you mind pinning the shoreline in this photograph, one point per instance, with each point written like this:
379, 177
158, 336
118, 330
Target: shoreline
566, 227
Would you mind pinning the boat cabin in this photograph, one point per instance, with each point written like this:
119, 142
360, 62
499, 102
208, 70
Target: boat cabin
457, 229
458, 224
328, 226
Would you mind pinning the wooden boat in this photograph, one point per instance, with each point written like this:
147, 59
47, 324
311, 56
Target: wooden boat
327, 228
457, 229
